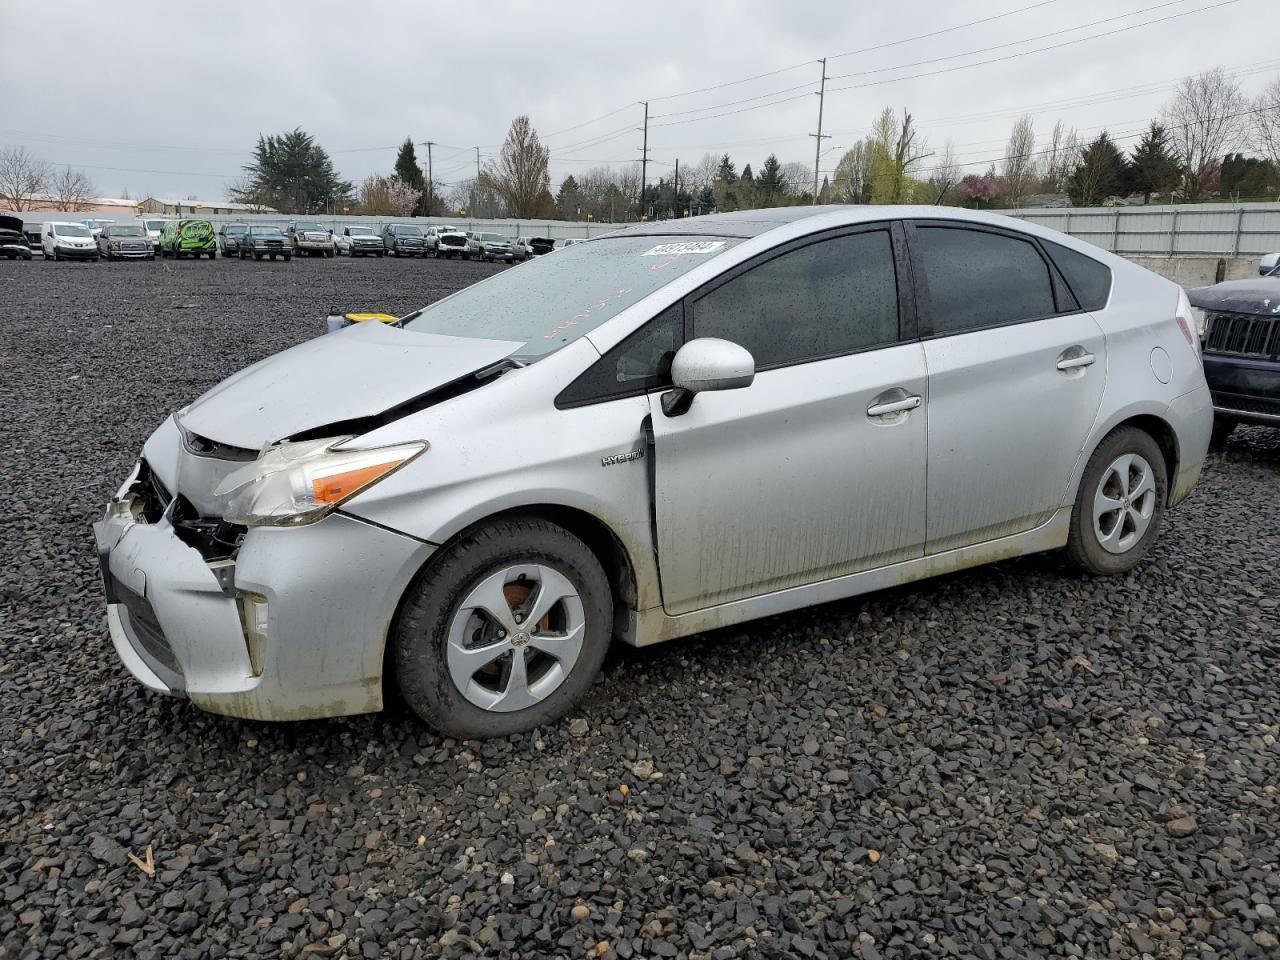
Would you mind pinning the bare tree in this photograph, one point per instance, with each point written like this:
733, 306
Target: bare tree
1060, 159
852, 180
944, 175
1265, 126
1206, 118
23, 178
702, 173
520, 175
798, 178
1019, 162
70, 189
242, 190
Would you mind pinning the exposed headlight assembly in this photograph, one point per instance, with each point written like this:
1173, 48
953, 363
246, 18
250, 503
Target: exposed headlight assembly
292, 484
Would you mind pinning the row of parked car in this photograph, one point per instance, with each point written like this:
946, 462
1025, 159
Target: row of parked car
182, 238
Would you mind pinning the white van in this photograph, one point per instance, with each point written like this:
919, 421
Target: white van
63, 240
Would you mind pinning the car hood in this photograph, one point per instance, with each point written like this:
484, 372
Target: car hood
1261, 295
10, 223
361, 371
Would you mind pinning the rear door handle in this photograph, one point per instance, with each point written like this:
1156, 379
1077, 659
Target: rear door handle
893, 406
1076, 361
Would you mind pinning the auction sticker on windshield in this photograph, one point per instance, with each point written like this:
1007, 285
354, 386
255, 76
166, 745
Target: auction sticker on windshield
688, 246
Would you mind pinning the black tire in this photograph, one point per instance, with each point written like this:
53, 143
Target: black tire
380, 252
418, 654
213, 254
1223, 427
1083, 545
287, 257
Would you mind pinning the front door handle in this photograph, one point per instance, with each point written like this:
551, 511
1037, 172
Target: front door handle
909, 402
1075, 359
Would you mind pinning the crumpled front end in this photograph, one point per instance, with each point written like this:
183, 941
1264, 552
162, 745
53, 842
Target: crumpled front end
266, 623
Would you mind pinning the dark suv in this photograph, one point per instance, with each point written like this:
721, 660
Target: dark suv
403, 239
1241, 345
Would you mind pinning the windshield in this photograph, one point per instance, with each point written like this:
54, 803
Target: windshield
492, 238
156, 225
553, 301
71, 230
308, 226
407, 231
265, 231
125, 231
234, 229
359, 231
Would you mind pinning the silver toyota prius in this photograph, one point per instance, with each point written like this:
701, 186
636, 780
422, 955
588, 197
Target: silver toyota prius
662, 431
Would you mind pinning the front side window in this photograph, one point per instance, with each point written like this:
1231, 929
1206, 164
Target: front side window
978, 279
640, 363
828, 298
553, 301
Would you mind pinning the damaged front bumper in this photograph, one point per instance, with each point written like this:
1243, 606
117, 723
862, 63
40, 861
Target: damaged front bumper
291, 625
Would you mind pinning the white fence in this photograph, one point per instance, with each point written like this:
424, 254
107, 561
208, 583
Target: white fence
554, 229
1220, 230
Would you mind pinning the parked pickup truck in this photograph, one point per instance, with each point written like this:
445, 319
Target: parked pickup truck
309, 237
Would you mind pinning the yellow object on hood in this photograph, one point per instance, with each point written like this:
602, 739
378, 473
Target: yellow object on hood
358, 317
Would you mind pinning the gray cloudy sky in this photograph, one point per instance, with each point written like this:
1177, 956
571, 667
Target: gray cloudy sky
167, 98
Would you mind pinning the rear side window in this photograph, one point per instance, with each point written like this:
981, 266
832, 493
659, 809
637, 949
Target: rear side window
978, 279
828, 298
1088, 279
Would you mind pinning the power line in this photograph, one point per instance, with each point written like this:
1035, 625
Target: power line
1025, 53
935, 33
1010, 43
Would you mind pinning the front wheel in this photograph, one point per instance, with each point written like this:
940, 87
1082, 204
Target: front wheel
504, 632
1120, 503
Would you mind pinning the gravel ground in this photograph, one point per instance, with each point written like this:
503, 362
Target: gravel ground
1009, 762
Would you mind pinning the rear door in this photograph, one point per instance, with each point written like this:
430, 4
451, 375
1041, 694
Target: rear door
817, 469
1016, 373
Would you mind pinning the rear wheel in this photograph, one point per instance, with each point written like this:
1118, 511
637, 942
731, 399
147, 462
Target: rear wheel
1120, 503
504, 632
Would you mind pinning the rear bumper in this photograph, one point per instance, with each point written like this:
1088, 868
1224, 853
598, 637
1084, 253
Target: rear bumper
327, 592
1191, 416
1244, 388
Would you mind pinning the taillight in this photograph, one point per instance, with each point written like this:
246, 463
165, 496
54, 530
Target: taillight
1187, 323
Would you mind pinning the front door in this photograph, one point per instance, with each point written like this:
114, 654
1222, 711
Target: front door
817, 469
1016, 372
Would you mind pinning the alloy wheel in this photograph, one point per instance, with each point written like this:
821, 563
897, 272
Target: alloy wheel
515, 637
1124, 503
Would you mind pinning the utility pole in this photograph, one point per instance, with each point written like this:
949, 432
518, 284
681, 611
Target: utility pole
431, 181
675, 187
644, 157
817, 151
477, 195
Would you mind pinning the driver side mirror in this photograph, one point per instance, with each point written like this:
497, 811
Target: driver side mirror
1268, 264
706, 364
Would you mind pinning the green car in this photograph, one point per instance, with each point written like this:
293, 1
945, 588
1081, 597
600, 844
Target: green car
181, 238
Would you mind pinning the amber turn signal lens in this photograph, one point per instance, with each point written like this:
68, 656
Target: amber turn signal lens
339, 486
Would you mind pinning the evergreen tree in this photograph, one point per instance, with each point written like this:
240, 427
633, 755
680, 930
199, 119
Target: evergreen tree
1247, 177
1154, 167
293, 174
569, 201
727, 172
407, 170
770, 185
1101, 173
